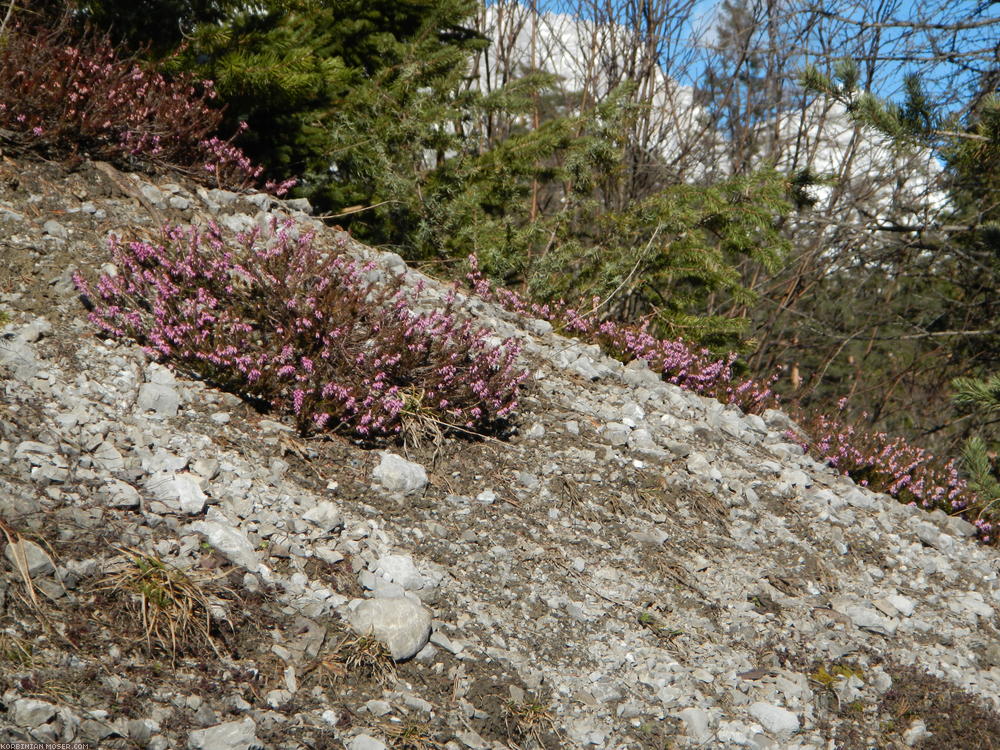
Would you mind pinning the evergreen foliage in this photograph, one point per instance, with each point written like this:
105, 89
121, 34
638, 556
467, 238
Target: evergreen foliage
350, 95
967, 256
979, 466
372, 106
982, 396
944, 274
663, 258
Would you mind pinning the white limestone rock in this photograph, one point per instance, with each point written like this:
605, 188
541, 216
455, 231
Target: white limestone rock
396, 474
403, 625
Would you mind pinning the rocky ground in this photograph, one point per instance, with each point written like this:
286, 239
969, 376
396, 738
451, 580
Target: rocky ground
633, 567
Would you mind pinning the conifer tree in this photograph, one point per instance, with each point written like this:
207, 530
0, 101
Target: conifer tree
372, 105
965, 250
983, 396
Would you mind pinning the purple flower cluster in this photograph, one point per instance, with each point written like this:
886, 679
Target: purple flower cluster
871, 458
677, 360
892, 465
64, 95
272, 316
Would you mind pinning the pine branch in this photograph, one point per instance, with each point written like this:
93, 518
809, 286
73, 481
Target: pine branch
982, 395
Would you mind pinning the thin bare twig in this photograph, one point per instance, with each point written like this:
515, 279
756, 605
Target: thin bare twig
6, 18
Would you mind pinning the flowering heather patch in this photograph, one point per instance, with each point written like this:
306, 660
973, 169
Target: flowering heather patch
273, 317
680, 363
65, 96
873, 459
893, 466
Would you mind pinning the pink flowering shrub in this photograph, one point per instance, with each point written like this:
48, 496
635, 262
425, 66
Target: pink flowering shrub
63, 96
676, 360
894, 466
873, 459
271, 316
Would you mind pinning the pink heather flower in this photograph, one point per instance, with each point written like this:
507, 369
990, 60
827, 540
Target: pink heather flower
162, 294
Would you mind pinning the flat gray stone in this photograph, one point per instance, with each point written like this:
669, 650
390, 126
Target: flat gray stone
141, 730
237, 223
206, 467
36, 559
915, 733
615, 433
650, 536
796, 478
641, 439
230, 542
160, 374
959, 526
401, 570
584, 367
154, 195
299, 204
34, 331
681, 450
868, 618
107, 457
19, 357
325, 515
365, 742
695, 723
397, 474
277, 698
698, 465
401, 624
971, 602
180, 491
222, 197
121, 494
902, 604
29, 448
232, 735
54, 229
775, 720
539, 327
378, 707
32, 713
159, 398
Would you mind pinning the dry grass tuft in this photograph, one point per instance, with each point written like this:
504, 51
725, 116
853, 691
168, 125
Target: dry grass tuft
527, 721
173, 606
409, 735
16, 544
16, 651
954, 717
360, 656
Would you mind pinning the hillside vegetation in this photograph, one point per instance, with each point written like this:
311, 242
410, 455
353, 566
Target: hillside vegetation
424, 130
426, 375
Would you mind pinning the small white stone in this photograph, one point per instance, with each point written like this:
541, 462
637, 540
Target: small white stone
776, 720
233, 735
397, 474
916, 733
695, 723
365, 742
401, 624
229, 541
